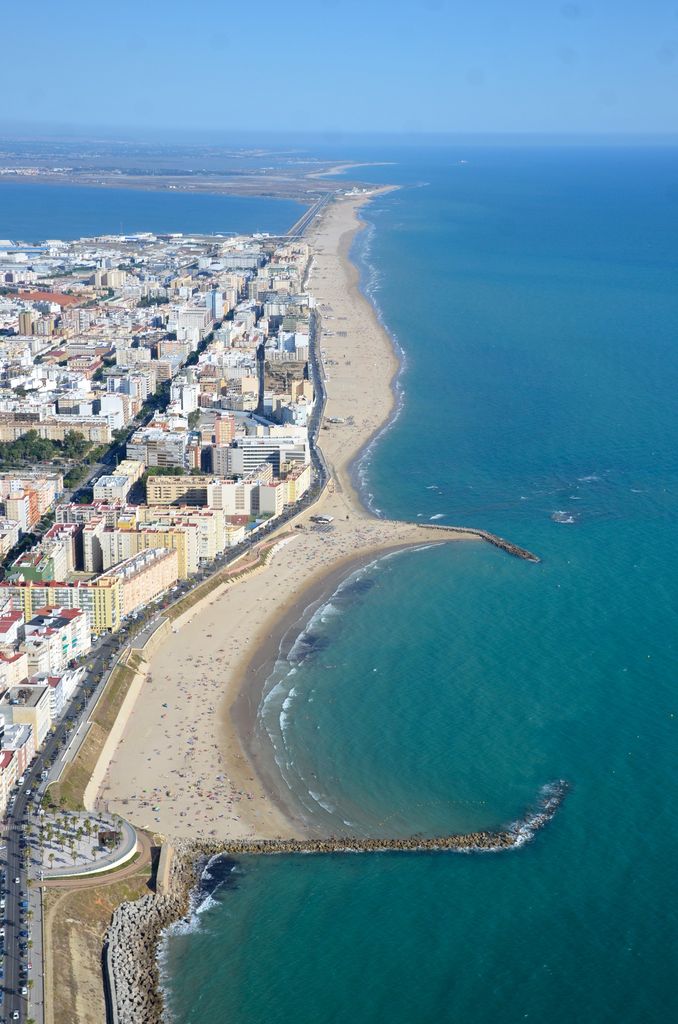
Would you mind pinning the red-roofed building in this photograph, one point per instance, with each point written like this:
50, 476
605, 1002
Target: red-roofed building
58, 298
10, 627
53, 637
13, 668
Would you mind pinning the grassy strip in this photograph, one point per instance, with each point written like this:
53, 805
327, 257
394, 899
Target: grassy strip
68, 792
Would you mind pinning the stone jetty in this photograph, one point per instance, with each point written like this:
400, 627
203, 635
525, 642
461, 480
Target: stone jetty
490, 538
136, 928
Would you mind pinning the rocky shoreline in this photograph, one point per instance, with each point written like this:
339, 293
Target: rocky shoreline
131, 945
136, 929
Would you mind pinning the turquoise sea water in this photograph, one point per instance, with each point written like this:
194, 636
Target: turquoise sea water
535, 296
32, 212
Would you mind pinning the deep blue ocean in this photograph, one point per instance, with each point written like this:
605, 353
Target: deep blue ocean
32, 212
534, 293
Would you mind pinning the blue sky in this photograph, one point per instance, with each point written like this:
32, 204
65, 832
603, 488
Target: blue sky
344, 65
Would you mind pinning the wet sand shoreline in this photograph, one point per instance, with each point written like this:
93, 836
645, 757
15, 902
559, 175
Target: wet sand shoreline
242, 712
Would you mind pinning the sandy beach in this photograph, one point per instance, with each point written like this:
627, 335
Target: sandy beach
185, 765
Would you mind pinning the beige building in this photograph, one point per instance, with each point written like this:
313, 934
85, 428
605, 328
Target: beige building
20, 509
92, 556
177, 490
297, 480
145, 576
13, 667
9, 536
132, 469
28, 705
112, 487
118, 545
100, 599
110, 278
209, 524
95, 429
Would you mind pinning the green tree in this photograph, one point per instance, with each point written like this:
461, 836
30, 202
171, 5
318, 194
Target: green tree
74, 445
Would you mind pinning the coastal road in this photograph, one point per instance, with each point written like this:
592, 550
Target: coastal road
22, 812
307, 218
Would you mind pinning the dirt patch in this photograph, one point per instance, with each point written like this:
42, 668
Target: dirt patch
75, 924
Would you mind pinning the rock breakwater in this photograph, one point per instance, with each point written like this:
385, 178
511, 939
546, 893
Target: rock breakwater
132, 940
136, 928
490, 538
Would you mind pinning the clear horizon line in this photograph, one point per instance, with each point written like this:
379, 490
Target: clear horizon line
36, 130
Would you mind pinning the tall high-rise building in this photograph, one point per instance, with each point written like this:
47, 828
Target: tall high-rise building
214, 301
26, 322
224, 428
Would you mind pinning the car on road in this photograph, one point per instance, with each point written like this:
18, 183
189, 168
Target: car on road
17, 881
24, 990
15, 1015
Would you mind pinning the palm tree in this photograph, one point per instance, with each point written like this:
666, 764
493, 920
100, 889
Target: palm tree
51, 858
